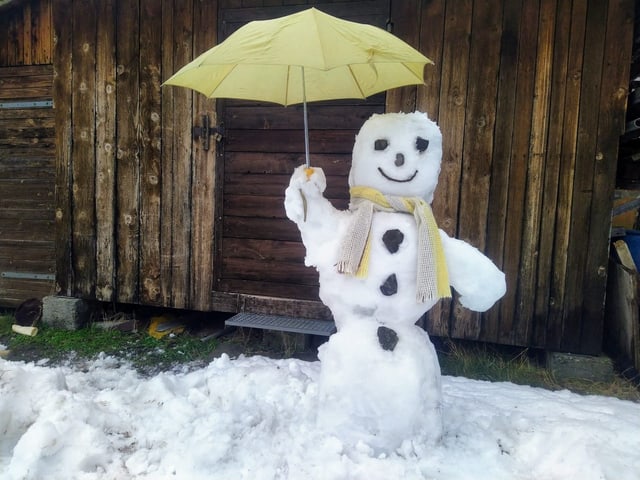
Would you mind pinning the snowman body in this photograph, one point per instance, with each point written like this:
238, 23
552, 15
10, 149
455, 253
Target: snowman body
380, 377
387, 294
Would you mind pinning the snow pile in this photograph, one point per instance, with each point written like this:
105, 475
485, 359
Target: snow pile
254, 418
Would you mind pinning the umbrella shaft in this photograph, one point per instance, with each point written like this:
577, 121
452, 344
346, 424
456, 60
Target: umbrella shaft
306, 124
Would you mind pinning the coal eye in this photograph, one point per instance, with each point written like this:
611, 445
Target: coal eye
421, 144
381, 144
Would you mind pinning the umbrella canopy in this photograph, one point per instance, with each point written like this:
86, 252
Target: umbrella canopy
306, 56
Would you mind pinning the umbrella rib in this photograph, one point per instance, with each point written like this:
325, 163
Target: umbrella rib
362, 95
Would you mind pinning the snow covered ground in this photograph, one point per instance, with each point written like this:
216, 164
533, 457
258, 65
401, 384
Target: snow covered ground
253, 418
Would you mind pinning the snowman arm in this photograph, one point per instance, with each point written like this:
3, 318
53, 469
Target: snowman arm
474, 276
317, 219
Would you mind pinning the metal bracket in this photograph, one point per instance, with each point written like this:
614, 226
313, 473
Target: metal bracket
28, 276
206, 131
20, 104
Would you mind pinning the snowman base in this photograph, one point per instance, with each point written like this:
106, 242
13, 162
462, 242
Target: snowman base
375, 395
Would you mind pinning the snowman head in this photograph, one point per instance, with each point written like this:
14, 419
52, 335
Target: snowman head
398, 154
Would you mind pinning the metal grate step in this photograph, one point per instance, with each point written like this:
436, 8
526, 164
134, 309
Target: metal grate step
283, 324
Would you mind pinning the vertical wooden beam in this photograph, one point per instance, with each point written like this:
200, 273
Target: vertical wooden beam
166, 159
431, 45
204, 180
583, 177
83, 168
502, 144
150, 151
559, 91
15, 54
127, 152
63, 30
106, 152
557, 297
27, 57
484, 61
42, 37
183, 108
536, 172
613, 97
518, 158
451, 117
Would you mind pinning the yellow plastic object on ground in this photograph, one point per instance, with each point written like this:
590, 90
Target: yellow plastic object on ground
164, 325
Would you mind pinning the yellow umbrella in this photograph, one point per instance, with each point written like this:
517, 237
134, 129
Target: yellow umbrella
306, 56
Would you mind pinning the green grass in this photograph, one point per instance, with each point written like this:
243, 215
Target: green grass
144, 352
521, 366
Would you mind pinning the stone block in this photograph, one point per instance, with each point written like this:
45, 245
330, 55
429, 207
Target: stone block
567, 366
67, 313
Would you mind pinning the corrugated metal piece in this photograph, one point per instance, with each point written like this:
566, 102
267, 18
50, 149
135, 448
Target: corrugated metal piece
283, 324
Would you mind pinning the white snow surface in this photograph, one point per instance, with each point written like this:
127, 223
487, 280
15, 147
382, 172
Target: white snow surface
254, 418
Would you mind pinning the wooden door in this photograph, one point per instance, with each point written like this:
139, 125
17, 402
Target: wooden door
259, 251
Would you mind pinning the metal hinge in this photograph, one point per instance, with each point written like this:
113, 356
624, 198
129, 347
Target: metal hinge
206, 131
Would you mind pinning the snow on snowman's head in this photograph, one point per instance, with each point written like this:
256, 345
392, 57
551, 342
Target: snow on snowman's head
398, 154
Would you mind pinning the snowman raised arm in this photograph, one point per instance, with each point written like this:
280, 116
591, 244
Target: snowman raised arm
384, 257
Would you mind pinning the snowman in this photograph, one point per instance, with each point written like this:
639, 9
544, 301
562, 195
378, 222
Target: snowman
382, 264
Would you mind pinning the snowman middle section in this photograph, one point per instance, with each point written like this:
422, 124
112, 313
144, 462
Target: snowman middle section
386, 294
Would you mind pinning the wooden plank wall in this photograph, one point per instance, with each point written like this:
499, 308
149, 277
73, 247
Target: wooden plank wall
27, 150
27, 179
133, 185
530, 97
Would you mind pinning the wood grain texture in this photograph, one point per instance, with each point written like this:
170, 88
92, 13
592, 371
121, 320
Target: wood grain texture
105, 156
83, 166
150, 152
529, 95
203, 177
128, 151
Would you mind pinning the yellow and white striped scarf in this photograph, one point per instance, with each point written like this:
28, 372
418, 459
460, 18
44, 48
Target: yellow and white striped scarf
432, 280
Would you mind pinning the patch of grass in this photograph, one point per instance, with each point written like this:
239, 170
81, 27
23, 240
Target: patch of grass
521, 366
147, 354
486, 362
5, 324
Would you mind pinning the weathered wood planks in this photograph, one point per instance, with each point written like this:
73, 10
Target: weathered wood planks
105, 156
27, 187
150, 291
529, 95
533, 189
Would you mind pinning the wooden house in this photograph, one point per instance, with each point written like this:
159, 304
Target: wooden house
106, 194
